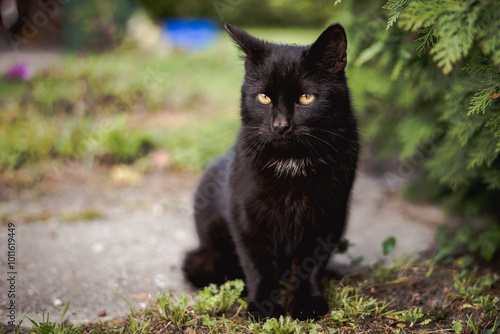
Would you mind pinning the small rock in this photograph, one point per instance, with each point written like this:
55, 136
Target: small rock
159, 281
57, 302
102, 313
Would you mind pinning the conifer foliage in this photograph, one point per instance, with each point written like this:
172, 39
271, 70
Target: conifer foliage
441, 110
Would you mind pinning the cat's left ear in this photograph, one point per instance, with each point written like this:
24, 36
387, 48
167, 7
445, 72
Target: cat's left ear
253, 47
330, 48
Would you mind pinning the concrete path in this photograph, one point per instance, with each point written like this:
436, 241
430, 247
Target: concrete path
136, 247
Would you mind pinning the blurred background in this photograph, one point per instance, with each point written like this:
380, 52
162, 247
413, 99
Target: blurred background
126, 88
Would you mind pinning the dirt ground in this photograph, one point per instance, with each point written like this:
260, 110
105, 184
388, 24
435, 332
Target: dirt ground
91, 237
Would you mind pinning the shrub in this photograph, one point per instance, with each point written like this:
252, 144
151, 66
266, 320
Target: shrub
428, 92
440, 108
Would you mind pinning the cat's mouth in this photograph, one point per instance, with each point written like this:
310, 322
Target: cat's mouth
284, 141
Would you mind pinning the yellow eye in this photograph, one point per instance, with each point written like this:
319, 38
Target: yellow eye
263, 98
306, 98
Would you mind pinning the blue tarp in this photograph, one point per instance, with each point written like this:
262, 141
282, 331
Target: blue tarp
190, 34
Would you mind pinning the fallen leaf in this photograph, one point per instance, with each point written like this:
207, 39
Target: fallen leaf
142, 296
124, 175
160, 160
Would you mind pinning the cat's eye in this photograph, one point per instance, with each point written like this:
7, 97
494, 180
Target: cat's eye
306, 98
263, 98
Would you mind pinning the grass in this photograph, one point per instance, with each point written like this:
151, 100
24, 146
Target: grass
423, 303
93, 105
81, 215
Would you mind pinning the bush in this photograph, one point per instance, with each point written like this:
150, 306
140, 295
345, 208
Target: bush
440, 109
426, 78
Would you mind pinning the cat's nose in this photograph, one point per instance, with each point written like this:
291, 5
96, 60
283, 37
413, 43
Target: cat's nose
280, 124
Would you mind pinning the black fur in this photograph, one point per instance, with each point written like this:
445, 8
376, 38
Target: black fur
274, 208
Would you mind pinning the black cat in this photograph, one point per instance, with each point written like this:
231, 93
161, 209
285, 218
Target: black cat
274, 208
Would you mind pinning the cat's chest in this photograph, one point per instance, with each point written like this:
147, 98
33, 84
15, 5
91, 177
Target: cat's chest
289, 202
285, 212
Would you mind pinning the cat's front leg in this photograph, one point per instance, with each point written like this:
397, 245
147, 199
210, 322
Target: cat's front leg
306, 294
259, 262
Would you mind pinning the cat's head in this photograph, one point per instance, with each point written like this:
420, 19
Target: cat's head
291, 94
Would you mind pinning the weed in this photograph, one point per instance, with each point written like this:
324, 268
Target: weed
457, 326
350, 307
393, 272
138, 328
472, 324
209, 321
398, 330
175, 312
488, 304
178, 311
163, 302
469, 287
283, 325
132, 308
231, 326
413, 317
216, 300
313, 328
48, 327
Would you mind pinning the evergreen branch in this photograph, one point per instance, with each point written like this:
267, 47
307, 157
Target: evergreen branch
395, 7
422, 14
481, 100
486, 29
427, 39
455, 30
486, 68
494, 126
486, 156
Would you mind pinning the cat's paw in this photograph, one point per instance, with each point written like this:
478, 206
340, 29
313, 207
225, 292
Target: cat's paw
264, 309
309, 308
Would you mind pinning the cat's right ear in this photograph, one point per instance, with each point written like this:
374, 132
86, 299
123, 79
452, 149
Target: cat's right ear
251, 46
330, 48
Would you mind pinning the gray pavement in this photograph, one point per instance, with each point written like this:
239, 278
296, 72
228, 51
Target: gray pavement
137, 246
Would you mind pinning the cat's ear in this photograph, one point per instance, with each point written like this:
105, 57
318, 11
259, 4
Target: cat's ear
251, 46
330, 48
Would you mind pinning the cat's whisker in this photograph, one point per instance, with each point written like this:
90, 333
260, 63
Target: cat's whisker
255, 144
335, 134
321, 140
310, 147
